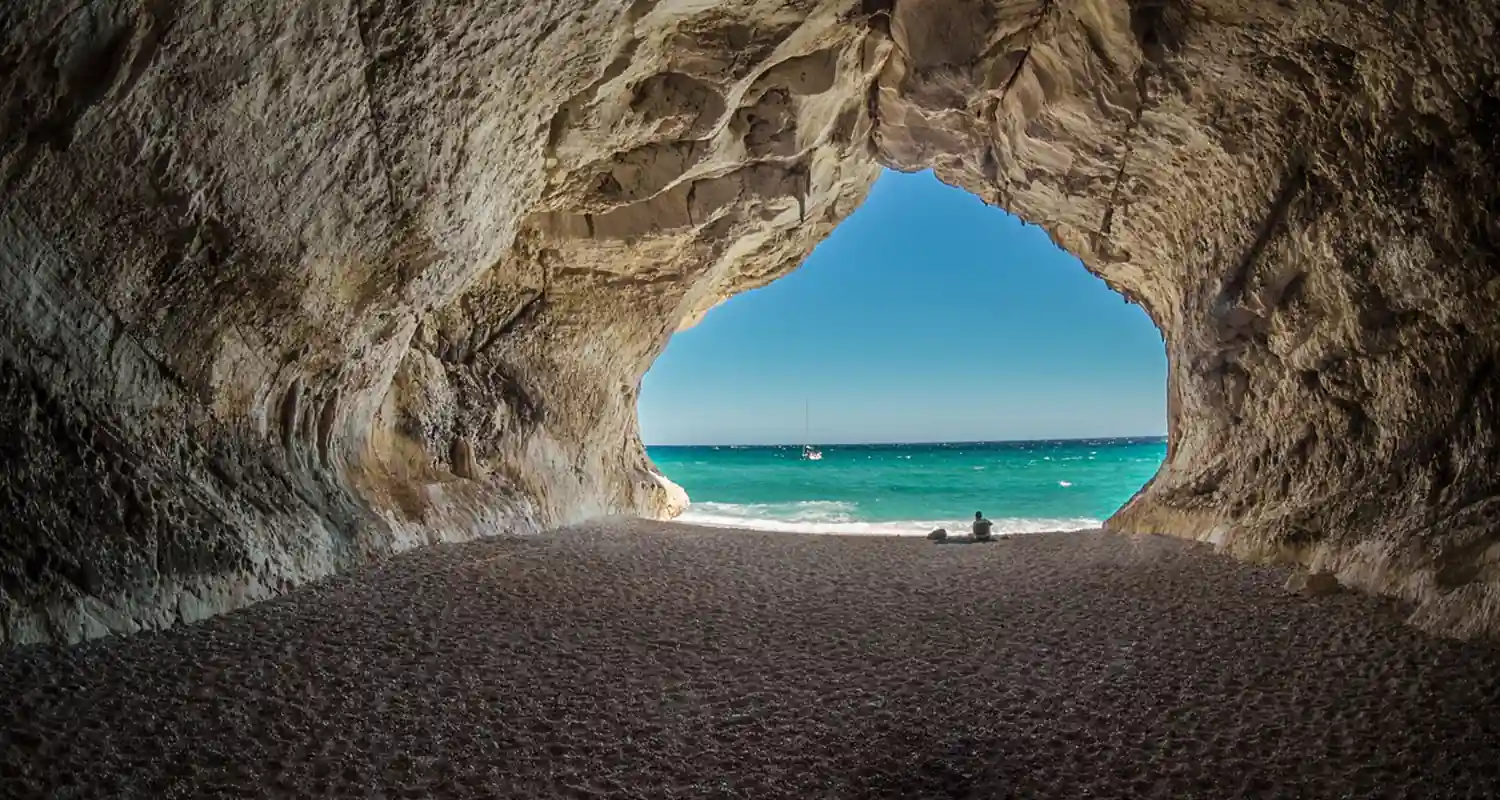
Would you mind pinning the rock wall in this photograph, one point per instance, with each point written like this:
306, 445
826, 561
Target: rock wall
289, 285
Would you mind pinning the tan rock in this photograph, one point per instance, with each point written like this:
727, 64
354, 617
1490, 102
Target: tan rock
1312, 584
665, 499
285, 287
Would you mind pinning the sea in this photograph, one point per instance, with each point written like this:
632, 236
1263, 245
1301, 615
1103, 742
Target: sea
1023, 487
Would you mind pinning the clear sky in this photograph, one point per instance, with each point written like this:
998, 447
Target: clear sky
926, 316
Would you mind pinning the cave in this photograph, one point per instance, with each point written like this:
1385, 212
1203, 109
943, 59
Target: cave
288, 289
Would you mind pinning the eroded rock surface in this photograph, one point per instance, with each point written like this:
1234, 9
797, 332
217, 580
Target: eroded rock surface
1312, 584
288, 286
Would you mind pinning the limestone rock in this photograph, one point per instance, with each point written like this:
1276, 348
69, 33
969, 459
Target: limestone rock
666, 500
1312, 584
285, 287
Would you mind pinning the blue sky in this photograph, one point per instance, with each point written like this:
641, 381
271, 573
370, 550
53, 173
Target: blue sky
925, 316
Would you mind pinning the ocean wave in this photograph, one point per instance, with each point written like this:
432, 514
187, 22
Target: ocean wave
802, 511
835, 517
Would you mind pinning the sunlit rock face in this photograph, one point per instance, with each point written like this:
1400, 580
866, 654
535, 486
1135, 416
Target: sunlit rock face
289, 286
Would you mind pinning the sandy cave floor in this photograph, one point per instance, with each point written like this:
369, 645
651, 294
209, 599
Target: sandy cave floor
648, 660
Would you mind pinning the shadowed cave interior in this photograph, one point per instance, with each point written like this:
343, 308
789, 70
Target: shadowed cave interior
289, 287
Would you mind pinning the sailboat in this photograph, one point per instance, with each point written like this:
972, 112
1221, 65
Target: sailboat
808, 451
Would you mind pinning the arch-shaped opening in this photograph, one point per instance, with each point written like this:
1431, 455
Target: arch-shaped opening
272, 312
956, 359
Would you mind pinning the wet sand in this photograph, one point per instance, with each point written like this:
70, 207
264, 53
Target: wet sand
665, 661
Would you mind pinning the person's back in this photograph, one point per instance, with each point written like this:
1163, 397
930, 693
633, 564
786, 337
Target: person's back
981, 527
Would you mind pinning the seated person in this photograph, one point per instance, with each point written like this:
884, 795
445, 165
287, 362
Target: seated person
981, 527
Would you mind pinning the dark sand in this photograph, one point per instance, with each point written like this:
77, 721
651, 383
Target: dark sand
667, 661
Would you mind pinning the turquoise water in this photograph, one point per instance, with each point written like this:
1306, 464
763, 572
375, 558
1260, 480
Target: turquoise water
1024, 487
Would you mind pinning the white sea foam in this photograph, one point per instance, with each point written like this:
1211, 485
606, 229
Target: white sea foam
831, 516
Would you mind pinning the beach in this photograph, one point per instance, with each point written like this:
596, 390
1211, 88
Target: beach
640, 659
1023, 487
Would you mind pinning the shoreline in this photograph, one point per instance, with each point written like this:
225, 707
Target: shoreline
1005, 526
633, 658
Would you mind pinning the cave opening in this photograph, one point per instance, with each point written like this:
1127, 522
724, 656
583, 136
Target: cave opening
288, 294
932, 356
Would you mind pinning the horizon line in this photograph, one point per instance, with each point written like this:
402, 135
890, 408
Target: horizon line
929, 442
